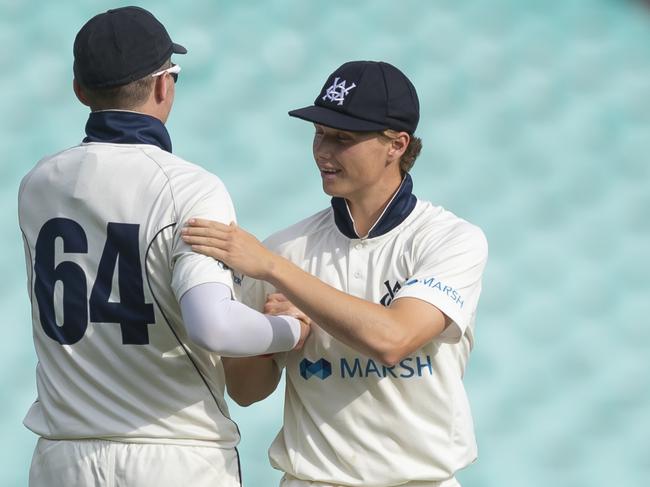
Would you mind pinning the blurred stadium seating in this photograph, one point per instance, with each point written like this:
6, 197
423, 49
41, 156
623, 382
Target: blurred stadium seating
536, 126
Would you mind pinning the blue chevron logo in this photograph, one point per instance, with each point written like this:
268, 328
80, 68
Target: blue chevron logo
321, 368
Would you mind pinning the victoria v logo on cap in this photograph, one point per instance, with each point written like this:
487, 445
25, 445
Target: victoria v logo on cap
338, 91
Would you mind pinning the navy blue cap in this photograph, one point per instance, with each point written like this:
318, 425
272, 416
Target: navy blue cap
365, 96
120, 46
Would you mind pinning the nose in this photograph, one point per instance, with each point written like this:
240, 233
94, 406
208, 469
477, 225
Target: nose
322, 147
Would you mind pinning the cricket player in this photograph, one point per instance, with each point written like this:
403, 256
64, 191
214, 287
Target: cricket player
375, 397
129, 324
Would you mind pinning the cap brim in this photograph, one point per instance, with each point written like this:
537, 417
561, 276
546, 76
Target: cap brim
336, 120
178, 49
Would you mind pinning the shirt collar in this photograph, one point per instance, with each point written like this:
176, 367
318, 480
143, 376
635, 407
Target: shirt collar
122, 127
397, 210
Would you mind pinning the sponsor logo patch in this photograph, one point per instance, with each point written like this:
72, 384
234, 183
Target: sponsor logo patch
434, 283
364, 367
321, 369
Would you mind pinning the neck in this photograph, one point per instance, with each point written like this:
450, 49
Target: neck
367, 210
378, 219
124, 127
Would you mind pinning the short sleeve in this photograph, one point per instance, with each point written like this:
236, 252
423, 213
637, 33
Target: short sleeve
448, 275
198, 195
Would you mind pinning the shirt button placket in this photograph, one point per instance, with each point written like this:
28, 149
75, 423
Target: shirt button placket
357, 264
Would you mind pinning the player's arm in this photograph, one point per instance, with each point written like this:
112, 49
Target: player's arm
387, 334
217, 323
251, 379
204, 288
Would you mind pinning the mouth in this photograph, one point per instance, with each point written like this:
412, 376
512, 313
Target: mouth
328, 171
329, 174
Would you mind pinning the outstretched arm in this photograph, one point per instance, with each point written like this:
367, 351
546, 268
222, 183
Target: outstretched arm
217, 323
388, 334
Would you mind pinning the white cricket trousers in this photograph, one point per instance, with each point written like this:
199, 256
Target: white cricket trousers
289, 481
100, 463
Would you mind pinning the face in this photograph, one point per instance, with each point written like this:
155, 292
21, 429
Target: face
353, 165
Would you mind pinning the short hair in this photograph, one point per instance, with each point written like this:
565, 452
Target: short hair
125, 97
411, 153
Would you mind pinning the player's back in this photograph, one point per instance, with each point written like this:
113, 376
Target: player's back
100, 225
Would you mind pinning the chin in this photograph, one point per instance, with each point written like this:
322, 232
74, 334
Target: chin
330, 191
327, 189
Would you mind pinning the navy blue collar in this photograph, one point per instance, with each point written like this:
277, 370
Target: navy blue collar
398, 209
120, 127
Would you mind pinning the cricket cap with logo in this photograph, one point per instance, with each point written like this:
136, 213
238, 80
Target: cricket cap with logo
120, 46
365, 96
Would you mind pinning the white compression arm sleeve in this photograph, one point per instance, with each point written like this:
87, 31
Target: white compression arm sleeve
217, 323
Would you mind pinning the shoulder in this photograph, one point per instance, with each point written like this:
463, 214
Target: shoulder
300, 231
184, 177
45, 161
436, 228
178, 168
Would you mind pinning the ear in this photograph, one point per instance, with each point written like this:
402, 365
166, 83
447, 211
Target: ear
398, 145
161, 89
78, 91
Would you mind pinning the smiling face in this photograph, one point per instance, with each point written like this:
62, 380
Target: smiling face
354, 165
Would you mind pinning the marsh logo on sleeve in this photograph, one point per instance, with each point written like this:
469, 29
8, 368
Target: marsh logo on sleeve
433, 283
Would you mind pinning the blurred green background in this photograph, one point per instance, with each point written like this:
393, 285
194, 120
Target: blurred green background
536, 127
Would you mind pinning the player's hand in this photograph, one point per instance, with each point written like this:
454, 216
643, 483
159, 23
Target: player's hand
278, 304
305, 330
229, 244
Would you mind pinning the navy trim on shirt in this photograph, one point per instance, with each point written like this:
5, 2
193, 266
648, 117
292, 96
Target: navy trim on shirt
119, 127
395, 213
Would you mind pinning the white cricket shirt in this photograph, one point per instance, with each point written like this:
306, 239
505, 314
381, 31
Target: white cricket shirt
106, 267
348, 419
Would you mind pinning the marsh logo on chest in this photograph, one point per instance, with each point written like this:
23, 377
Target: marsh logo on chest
362, 367
321, 368
392, 291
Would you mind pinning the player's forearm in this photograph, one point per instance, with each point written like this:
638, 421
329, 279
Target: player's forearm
367, 327
251, 379
209, 315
